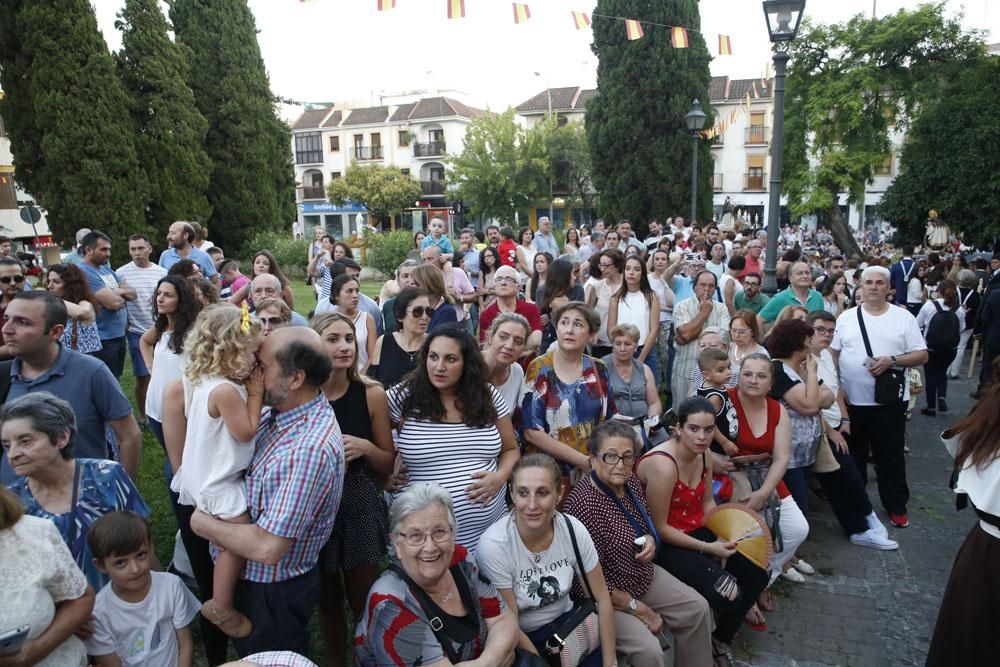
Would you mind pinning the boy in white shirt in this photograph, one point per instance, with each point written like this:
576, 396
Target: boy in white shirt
141, 617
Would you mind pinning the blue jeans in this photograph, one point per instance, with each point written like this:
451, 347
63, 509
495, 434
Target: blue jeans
651, 359
138, 364
797, 481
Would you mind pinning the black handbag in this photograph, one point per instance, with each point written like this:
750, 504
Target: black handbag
890, 386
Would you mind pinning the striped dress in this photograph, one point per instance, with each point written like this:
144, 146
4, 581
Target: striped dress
448, 454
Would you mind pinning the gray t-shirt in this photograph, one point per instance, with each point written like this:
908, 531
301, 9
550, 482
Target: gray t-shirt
540, 586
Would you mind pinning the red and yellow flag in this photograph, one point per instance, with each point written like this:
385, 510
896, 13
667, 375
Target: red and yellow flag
386, 5
456, 9
679, 37
521, 12
725, 46
633, 29
756, 94
581, 20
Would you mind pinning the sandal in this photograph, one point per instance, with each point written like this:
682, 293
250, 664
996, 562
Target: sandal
755, 619
721, 654
234, 624
765, 601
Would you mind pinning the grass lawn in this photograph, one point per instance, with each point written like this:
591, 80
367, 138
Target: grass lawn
154, 489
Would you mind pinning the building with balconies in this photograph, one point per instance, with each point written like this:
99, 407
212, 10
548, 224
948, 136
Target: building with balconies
415, 136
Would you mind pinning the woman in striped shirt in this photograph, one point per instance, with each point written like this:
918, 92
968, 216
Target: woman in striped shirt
455, 429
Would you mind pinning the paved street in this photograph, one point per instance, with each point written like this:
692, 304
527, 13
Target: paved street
865, 607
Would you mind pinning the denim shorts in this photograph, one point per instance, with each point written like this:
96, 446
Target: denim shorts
138, 365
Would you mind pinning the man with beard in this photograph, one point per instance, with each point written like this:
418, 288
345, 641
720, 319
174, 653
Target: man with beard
751, 298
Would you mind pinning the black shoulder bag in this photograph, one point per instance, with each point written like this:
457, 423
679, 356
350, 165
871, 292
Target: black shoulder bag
890, 386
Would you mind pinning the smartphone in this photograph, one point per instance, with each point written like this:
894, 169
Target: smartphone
693, 257
12, 640
870, 363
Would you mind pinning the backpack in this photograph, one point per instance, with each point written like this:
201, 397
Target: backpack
943, 330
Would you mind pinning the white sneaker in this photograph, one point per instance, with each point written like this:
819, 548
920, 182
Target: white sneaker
793, 575
804, 567
876, 525
870, 538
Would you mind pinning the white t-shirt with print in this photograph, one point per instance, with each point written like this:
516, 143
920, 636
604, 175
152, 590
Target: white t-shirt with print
143, 633
542, 588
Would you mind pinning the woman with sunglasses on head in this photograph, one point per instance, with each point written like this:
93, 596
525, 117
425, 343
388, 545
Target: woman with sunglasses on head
351, 560
70, 284
396, 351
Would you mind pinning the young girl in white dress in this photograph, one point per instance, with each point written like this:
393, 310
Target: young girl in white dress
223, 397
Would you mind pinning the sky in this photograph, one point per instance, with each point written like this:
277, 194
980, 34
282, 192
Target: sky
341, 50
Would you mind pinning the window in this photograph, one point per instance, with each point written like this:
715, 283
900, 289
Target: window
335, 144
404, 138
436, 173
436, 136
755, 172
406, 171
308, 149
334, 175
884, 169
359, 142
376, 139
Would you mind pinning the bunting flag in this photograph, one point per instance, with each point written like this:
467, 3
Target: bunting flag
456, 9
725, 46
633, 29
581, 20
679, 37
756, 94
748, 101
386, 5
521, 12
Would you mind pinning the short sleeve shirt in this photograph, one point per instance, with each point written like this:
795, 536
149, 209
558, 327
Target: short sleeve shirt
110, 323
143, 281
169, 257
786, 297
528, 310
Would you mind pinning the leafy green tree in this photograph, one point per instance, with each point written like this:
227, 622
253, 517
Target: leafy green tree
849, 86
252, 186
386, 251
502, 168
67, 113
950, 160
384, 191
169, 129
640, 145
570, 165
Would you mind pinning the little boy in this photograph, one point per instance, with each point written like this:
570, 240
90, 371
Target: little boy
714, 365
232, 280
438, 238
141, 617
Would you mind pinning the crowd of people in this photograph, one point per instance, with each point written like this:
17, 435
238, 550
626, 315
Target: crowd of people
531, 430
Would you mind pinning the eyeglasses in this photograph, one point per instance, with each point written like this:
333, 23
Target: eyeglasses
273, 321
613, 459
606, 266
417, 538
739, 332
6, 280
824, 330
504, 280
420, 311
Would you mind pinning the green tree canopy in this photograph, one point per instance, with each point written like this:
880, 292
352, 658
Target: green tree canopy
169, 129
849, 86
67, 113
252, 186
570, 164
951, 160
639, 143
502, 167
384, 191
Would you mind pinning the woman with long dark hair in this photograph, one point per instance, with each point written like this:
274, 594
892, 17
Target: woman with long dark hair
70, 284
560, 288
489, 262
454, 426
265, 262
636, 303
541, 263
836, 298
396, 351
940, 353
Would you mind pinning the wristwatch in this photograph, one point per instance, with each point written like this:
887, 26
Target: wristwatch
893, 357
632, 606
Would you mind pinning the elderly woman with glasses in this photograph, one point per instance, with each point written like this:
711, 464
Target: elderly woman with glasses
431, 606
611, 504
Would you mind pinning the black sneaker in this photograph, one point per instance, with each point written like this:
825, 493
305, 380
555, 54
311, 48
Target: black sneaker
942, 406
929, 412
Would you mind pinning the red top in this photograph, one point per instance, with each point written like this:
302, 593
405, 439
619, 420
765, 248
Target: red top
687, 513
508, 252
747, 443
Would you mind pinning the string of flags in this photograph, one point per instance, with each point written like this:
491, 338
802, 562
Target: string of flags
722, 124
679, 37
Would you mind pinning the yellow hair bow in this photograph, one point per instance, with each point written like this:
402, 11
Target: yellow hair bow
245, 320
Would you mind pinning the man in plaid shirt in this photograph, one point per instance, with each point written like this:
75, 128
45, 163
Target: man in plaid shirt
293, 489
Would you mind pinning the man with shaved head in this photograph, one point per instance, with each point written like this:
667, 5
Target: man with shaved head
293, 487
798, 293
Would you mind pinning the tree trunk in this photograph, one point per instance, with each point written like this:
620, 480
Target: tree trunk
841, 231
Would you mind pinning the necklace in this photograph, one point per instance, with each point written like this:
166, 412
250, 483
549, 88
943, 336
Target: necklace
447, 597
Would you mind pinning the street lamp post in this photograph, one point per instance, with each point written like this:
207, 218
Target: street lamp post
783, 17
695, 121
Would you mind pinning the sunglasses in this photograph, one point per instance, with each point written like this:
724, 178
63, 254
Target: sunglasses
420, 311
273, 321
7, 280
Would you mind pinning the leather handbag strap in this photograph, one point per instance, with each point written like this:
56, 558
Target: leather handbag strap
579, 560
864, 333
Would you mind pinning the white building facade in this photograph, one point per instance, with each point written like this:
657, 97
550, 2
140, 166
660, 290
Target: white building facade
12, 199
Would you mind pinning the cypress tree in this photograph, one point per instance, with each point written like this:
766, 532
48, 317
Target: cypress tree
68, 116
252, 186
640, 146
169, 129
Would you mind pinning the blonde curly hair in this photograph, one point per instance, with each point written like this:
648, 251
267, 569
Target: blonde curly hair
217, 344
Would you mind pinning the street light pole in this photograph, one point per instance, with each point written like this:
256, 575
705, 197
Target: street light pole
694, 120
548, 92
770, 282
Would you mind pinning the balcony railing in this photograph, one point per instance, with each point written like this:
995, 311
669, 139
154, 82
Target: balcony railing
432, 187
429, 149
311, 192
366, 152
755, 181
757, 134
717, 182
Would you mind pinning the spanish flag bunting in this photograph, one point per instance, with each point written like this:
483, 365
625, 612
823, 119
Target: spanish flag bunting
456, 9
581, 20
748, 101
386, 5
521, 12
679, 37
725, 46
633, 29
756, 93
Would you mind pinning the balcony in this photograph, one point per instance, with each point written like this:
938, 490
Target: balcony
429, 149
717, 182
311, 192
716, 141
436, 187
755, 181
757, 135
361, 153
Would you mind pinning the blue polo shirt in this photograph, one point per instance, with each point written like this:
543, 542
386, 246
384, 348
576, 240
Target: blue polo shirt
169, 257
786, 297
90, 389
110, 323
